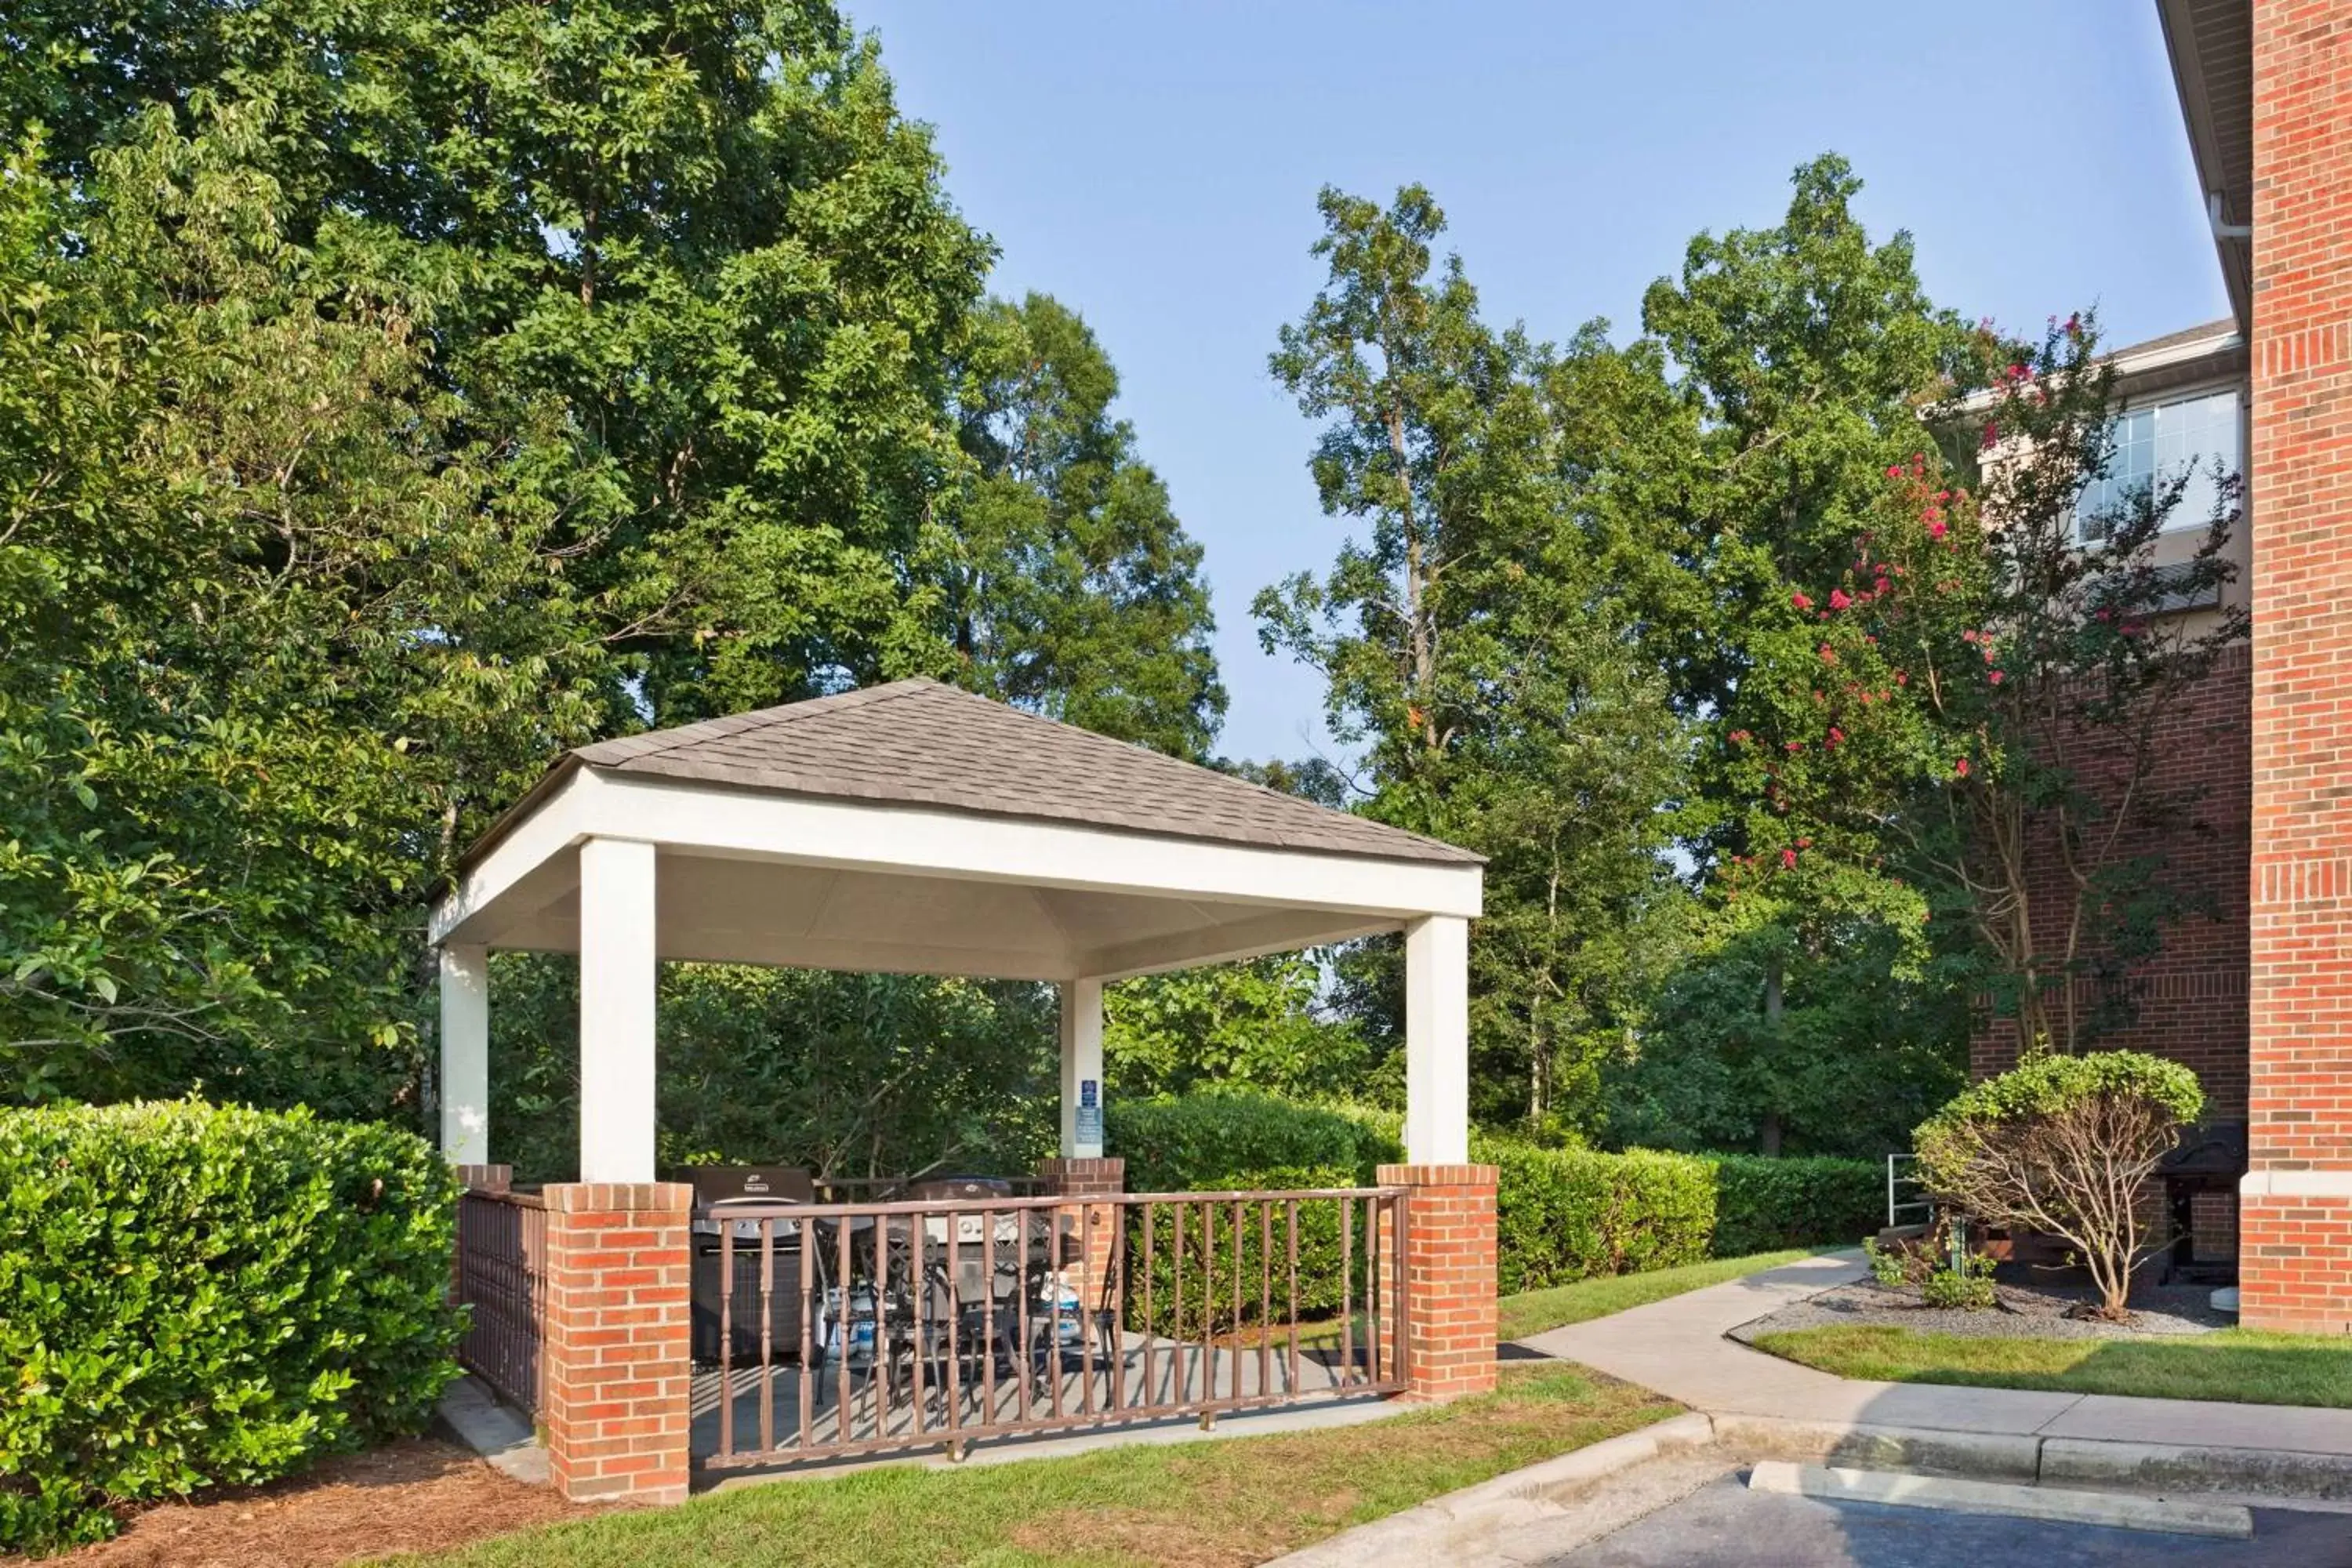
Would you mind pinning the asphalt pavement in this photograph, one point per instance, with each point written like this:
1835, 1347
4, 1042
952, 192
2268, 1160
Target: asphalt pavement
1725, 1525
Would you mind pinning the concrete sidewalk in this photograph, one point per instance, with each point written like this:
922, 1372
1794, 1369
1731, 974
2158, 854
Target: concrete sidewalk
1676, 1347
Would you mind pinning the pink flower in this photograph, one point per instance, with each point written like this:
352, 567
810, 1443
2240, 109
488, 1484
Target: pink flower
1838, 599
1787, 860
1740, 737
1893, 470
1961, 767
1900, 678
1795, 746
1991, 432
1879, 587
1936, 529
1829, 654
1836, 735
1801, 602
1994, 678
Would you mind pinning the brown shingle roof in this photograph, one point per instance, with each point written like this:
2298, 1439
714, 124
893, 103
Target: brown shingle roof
918, 743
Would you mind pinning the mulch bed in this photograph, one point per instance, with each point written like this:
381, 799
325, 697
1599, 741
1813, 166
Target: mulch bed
419, 1495
2027, 1310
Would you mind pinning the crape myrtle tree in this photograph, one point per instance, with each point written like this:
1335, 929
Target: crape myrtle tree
1969, 701
1782, 370
1471, 649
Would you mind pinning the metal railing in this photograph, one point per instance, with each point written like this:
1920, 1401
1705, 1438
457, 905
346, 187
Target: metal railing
503, 1276
1918, 1202
830, 1329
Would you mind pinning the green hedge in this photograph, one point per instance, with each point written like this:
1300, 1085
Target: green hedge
1565, 1215
1562, 1214
1243, 1140
194, 1295
1763, 1205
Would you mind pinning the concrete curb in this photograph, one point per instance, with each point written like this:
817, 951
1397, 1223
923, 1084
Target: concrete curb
1469, 1525
1458, 1524
2110, 1511
1993, 1456
2282, 1473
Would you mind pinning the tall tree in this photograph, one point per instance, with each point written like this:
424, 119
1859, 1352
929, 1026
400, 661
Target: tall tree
1073, 589
1473, 647
276, 626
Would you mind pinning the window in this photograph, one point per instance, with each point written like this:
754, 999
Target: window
2158, 442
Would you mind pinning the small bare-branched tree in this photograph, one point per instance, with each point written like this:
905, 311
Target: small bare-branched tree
2065, 1145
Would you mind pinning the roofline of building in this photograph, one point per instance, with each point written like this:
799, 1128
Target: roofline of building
2231, 246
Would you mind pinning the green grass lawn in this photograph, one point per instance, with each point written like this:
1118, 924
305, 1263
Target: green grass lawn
1193, 1505
2231, 1364
1533, 1311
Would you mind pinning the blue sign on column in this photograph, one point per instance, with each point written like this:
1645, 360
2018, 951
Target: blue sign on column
1088, 1131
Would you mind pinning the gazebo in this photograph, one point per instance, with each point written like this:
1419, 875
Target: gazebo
916, 829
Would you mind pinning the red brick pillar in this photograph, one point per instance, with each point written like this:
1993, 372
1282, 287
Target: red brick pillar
1449, 1273
1097, 1177
617, 1357
2295, 1213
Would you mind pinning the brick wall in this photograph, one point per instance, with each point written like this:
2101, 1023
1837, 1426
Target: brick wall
2295, 1215
1450, 1277
618, 1368
2188, 1001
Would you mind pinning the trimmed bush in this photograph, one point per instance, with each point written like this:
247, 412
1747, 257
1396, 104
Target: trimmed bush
194, 1296
1562, 1214
1565, 1215
1219, 1138
1222, 1140
2067, 1145
1763, 1205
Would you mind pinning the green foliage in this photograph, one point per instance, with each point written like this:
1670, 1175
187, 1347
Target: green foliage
1222, 1137
1073, 590
848, 1075
1259, 1024
1971, 696
1890, 1266
391, 397
1564, 1214
2065, 1145
2046, 1084
1471, 642
194, 1295
281, 628
1866, 1043
1761, 1204
1967, 1287
1240, 1139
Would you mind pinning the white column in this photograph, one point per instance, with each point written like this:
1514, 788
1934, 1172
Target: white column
466, 1054
1082, 1038
617, 1011
1437, 1041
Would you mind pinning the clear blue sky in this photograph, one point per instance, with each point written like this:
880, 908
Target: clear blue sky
1155, 166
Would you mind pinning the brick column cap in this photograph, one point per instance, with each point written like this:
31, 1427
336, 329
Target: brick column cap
1439, 1175
619, 1197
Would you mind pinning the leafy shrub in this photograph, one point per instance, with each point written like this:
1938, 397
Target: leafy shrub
2065, 1145
1211, 1140
1762, 1205
194, 1295
1900, 1265
1968, 1288
1565, 1215
1239, 1140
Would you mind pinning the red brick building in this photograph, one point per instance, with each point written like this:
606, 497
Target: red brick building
2266, 92
2255, 990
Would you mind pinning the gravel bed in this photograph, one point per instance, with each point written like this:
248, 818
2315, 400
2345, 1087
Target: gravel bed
2026, 1311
